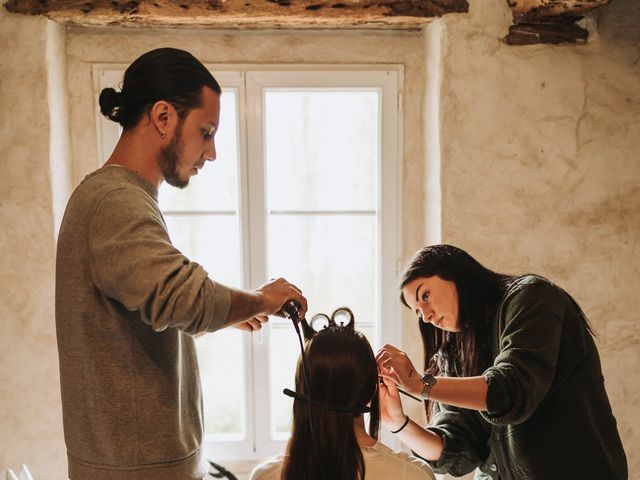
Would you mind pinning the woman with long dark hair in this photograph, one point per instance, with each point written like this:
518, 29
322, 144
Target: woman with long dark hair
329, 440
512, 381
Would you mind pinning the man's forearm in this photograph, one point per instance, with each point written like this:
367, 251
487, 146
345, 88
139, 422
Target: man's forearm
257, 305
244, 306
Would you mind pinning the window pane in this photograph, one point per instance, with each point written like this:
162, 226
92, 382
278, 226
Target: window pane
368, 329
222, 373
322, 149
332, 258
211, 240
216, 185
214, 242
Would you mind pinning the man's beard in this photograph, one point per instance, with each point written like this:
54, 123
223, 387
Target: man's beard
169, 160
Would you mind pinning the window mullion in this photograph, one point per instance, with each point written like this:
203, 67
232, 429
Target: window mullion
389, 205
250, 261
257, 247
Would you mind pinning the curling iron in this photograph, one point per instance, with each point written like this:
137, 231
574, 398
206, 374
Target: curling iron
291, 310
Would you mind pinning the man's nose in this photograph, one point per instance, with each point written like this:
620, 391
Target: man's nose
210, 153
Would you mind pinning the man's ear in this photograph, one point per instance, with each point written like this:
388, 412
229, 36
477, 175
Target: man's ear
162, 116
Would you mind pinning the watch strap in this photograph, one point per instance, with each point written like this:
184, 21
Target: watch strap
428, 381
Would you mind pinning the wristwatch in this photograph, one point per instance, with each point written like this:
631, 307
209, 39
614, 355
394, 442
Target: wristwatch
428, 381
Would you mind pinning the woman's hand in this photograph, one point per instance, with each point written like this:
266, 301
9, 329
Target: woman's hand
394, 365
391, 413
424, 442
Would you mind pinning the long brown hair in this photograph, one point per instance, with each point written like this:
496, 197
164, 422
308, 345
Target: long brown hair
468, 352
341, 372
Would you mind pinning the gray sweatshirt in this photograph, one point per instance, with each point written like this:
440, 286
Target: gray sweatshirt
127, 305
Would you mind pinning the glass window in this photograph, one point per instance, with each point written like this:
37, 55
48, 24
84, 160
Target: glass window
303, 187
203, 223
322, 150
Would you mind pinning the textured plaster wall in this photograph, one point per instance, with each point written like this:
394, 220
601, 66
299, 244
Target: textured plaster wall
540, 171
30, 417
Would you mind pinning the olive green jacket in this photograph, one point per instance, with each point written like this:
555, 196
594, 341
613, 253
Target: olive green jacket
548, 413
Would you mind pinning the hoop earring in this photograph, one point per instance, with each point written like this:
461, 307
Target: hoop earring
162, 134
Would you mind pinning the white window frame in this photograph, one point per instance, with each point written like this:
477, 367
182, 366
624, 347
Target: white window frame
250, 81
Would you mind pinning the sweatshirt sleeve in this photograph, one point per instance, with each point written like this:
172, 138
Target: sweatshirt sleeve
531, 325
465, 440
134, 262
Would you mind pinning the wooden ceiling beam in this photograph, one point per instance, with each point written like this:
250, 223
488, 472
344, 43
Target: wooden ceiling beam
534, 21
251, 14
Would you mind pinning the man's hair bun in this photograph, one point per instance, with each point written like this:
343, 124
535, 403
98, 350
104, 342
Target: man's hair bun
112, 105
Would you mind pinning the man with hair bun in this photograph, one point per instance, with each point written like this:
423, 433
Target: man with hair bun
128, 303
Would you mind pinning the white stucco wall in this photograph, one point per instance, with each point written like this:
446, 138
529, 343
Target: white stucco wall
538, 166
540, 159
30, 416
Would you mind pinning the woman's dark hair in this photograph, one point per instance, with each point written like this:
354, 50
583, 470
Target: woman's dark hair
341, 371
162, 74
468, 352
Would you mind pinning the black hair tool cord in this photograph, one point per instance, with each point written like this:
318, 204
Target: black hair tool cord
291, 310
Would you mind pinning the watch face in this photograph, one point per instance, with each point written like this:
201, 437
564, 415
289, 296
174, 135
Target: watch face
428, 379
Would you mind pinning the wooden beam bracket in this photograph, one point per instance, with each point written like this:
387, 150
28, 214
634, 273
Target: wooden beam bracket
549, 21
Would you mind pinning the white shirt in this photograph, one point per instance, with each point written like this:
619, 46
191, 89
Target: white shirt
380, 461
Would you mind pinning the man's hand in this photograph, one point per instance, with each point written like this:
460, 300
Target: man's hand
254, 324
250, 309
275, 293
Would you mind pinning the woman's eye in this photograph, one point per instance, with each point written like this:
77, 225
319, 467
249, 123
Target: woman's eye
425, 297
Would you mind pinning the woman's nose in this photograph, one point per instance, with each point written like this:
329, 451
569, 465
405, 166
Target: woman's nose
425, 316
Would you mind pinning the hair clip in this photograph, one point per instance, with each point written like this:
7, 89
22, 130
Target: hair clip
341, 317
304, 398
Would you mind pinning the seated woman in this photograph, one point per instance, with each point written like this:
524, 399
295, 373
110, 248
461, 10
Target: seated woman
328, 438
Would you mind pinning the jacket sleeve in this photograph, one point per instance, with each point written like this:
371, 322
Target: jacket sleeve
530, 321
465, 440
134, 262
